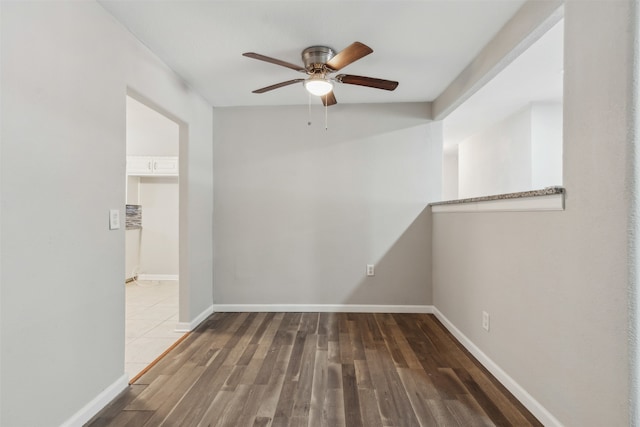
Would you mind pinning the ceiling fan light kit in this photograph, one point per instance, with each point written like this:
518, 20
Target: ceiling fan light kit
321, 61
317, 85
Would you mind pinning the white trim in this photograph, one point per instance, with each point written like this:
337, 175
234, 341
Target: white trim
323, 308
539, 411
89, 410
157, 277
190, 326
552, 202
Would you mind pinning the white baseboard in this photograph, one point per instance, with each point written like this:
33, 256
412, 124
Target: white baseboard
89, 410
190, 326
539, 411
157, 277
323, 308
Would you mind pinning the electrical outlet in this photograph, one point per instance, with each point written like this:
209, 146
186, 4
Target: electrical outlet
485, 321
370, 270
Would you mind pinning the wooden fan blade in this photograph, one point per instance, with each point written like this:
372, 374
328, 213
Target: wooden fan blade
351, 53
274, 61
329, 99
277, 85
367, 81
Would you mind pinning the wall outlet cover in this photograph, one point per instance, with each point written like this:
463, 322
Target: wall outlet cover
370, 270
485, 321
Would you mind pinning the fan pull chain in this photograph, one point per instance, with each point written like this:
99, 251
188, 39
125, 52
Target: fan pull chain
309, 118
326, 114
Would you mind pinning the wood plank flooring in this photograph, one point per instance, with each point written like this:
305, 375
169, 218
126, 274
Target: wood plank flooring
317, 369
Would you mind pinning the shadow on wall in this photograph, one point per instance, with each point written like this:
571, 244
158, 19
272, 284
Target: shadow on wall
403, 274
300, 212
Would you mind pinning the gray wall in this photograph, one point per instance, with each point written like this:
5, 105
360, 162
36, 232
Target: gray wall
65, 69
555, 283
300, 211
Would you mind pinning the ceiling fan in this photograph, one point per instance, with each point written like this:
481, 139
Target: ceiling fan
319, 63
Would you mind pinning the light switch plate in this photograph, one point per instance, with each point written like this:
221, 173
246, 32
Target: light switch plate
114, 219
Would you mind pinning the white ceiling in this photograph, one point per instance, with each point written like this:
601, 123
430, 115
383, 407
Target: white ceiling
422, 44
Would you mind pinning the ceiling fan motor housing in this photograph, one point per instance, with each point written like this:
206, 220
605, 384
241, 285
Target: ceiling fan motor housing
315, 57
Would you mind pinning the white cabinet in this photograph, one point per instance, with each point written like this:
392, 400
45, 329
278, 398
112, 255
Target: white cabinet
152, 166
165, 166
139, 165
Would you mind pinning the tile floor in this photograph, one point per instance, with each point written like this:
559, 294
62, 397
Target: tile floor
151, 318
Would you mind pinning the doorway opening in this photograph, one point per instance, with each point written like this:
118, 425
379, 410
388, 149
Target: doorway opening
152, 279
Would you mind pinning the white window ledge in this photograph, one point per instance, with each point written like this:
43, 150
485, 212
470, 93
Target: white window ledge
548, 199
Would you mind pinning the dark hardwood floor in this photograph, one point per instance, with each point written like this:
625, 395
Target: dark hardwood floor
317, 369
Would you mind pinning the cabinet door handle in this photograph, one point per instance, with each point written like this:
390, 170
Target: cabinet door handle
149, 166
155, 165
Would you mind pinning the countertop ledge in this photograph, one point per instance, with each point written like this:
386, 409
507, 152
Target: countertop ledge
548, 191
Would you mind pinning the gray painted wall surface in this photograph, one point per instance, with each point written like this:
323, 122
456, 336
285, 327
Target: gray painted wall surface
65, 68
299, 211
634, 224
555, 283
